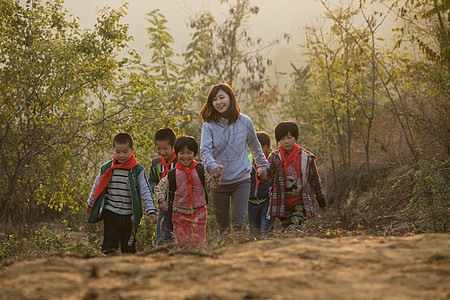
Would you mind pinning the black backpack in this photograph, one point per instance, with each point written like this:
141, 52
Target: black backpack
171, 176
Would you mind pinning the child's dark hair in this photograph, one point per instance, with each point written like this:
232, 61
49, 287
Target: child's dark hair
263, 138
123, 138
186, 141
165, 134
284, 128
209, 114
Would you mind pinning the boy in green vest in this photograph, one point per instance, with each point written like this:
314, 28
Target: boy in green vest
116, 198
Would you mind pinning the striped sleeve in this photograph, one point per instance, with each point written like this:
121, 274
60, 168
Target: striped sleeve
94, 187
146, 194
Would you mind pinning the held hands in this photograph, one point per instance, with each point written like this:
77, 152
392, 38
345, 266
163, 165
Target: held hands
153, 218
164, 205
217, 171
262, 175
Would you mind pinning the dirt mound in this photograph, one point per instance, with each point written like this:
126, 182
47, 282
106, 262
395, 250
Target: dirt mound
354, 267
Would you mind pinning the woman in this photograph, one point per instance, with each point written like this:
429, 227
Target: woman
227, 136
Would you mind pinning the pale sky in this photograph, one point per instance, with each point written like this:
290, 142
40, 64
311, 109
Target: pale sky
274, 18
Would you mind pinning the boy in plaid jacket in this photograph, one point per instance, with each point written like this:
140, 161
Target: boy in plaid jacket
296, 182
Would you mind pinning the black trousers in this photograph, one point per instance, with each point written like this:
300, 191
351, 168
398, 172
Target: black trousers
117, 230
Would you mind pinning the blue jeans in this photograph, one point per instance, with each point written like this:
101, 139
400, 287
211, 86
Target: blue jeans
258, 219
164, 228
235, 194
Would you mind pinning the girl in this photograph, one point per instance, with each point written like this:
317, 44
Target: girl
226, 134
183, 192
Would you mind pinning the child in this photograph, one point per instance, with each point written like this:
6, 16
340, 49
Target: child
164, 141
116, 198
258, 205
296, 183
183, 189
226, 134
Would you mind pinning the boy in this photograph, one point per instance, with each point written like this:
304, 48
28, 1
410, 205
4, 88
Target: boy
185, 186
296, 183
116, 198
167, 159
258, 203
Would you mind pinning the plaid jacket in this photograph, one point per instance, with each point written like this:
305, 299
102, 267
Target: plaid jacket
312, 186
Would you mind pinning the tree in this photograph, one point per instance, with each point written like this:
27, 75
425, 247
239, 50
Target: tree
174, 85
358, 88
51, 73
396, 78
326, 91
225, 52
426, 24
336, 98
158, 92
422, 19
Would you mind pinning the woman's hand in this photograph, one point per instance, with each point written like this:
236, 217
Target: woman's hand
262, 175
217, 171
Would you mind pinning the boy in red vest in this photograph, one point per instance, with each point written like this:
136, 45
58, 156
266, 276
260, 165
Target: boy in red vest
296, 183
116, 198
183, 190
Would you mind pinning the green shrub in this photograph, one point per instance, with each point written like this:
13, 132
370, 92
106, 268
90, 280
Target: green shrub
430, 194
212, 229
10, 246
146, 234
47, 241
82, 248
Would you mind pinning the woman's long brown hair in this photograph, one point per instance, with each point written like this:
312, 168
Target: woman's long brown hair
209, 114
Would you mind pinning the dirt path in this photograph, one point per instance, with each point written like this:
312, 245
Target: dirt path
357, 267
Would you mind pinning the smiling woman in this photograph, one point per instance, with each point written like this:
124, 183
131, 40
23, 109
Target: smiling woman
227, 136
221, 102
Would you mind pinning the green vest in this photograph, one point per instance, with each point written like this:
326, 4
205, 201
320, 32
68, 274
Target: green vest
97, 209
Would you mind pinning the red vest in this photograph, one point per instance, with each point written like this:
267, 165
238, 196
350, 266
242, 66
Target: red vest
181, 197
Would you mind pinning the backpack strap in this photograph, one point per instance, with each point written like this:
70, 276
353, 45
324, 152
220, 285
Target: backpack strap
201, 174
154, 164
172, 177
